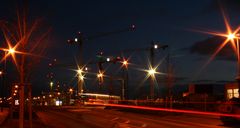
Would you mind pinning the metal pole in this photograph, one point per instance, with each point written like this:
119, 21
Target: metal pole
123, 89
111, 87
151, 77
30, 104
125, 83
169, 81
21, 105
1, 75
21, 92
5, 72
238, 66
12, 102
80, 81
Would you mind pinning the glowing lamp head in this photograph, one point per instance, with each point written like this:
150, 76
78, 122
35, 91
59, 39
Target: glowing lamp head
151, 71
100, 75
155, 46
11, 51
81, 77
231, 36
79, 71
70, 90
76, 39
125, 63
1, 72
51, 84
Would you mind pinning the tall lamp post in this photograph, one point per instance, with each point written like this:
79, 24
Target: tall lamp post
237, 36
233, 36
125, 77
70, 95
153, 47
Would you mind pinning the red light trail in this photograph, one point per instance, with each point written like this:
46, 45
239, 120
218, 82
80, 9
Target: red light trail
168, 110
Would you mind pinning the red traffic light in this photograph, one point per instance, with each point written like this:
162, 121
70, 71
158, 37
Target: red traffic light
70, 41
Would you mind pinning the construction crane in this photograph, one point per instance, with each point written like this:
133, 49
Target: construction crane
80, 39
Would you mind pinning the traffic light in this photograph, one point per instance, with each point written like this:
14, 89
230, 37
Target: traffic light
117, 59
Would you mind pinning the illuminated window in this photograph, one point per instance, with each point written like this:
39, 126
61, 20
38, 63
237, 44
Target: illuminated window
229, 91
232, 93
235, 93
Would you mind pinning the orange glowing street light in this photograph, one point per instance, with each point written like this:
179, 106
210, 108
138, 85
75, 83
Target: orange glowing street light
99, 75
11, 51
231, 36
124, 67
125, 63
25, 39
70, 90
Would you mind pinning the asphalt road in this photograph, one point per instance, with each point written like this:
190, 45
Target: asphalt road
100, 118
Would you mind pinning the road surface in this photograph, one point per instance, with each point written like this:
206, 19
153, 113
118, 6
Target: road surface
101, 118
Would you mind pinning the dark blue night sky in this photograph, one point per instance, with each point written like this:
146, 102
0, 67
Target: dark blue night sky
170, 22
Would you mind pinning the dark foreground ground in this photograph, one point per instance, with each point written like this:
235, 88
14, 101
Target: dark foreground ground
97, 117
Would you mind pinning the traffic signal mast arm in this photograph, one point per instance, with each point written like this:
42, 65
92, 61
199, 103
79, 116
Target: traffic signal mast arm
141, 49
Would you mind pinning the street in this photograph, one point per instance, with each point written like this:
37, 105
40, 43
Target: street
97, 117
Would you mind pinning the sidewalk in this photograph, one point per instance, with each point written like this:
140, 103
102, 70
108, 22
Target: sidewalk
3, 115
6, 122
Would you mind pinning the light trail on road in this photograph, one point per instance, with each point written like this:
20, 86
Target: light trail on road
168, 110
